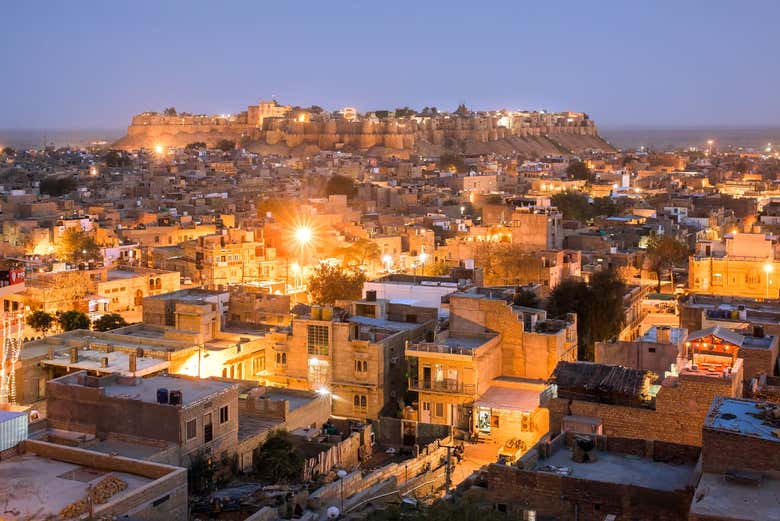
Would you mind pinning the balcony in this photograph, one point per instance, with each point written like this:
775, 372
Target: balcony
428, 347
443, 386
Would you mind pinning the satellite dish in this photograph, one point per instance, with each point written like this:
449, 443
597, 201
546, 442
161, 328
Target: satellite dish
333, 513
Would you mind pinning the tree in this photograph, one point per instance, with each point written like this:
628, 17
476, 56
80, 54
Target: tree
664, 252
573, 205
170, 111
328, 284
73, 319
226, 145
341, 185
578, 170
462, 110
598, 305
527, 298
197, 145
277, 460
108, 322
117, 159
8, 151
77, 246
40, 321
452, 163
358, 253
381, 114
56, 186
404, 112
316, 109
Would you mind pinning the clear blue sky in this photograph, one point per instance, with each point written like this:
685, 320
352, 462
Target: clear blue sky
92, 64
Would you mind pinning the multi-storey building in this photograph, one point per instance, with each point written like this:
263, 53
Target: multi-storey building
486, 373
743, 265
356, 356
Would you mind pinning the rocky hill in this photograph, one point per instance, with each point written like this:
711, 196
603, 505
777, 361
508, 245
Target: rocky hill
298, 131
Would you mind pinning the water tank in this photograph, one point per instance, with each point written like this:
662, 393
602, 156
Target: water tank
175, 398
104, 362
162, 395
371, 295
327, 313
316, 312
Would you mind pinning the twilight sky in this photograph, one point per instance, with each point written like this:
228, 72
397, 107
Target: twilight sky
93, 64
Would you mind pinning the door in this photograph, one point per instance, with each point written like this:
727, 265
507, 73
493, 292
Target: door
208, 428
426, 378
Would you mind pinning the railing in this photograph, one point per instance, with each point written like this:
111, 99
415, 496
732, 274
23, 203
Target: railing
443, 386
427, 347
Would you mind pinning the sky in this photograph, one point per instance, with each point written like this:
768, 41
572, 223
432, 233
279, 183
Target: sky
93, 64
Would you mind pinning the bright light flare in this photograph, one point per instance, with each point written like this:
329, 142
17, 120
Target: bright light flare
768, 268
159, 149
303, 235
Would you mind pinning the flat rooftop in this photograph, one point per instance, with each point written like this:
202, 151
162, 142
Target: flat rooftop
676, 334
722, 499
33, 487
191, 294
611, 467
118, 362
145, 389
384, 324
741, 417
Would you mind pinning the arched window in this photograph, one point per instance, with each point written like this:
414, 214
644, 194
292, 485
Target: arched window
357, 401
158, 283
151, 283
363, 401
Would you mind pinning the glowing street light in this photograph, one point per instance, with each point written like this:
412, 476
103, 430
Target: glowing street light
388, 262
423, 256
303, 235
159, 149
768, 269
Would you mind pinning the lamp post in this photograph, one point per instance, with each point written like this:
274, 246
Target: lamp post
768, 269
342, 474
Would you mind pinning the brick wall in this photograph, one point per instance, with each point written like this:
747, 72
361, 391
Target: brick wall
723, 451
566, 497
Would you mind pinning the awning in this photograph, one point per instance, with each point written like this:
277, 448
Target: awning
509, 399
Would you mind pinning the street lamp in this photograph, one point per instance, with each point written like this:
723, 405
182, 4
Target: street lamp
342, 474
303, 235
768, 269
388, 262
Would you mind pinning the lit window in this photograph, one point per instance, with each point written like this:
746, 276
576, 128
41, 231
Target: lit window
318, 340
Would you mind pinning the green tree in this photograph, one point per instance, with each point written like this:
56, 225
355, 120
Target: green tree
327, 284
108, 322
56, 186
197, 145
603, 206
78, 246
664, 252
170, 111
527, 298
226, 145
404, 112
277, 460
117, 159
573, 205
578, 170
40, 321
341, 185
452, 163
8, 151
598, 305
462, 110
70, 320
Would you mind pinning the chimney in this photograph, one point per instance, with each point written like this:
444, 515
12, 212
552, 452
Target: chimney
132, 363
104, 362
51, 353
74, 355
758, 331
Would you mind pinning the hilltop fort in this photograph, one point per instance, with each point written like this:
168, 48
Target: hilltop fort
271, 127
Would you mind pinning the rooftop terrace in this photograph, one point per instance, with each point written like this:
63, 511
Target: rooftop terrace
744, 417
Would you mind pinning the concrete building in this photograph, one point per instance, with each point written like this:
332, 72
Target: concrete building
486, 373
41, 480
743, 265
173, 418
658, 350
537, 229
356, 356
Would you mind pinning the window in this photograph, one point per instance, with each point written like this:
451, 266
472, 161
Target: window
192, 430
426, 406
318, 340
258, 364
651, 349
223, 414
439, 410
281, 359
360, 402
361, 367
